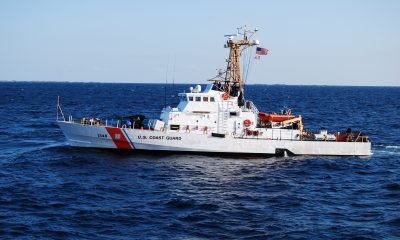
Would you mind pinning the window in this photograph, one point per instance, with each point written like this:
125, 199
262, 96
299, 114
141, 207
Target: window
174, 127
198, 99
205, 99
190, 98
212, 99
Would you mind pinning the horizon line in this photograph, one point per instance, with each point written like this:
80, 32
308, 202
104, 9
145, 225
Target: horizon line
283, 84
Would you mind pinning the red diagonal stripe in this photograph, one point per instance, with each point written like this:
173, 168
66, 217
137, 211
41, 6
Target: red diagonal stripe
121, 142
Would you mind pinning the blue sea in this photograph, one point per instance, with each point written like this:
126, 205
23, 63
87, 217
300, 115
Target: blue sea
49, 190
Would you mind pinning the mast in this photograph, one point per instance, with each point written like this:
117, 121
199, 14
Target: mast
233, 75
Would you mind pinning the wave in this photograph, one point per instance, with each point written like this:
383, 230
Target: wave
14, 153
181, 203
392, 186
393, 147
382, 149
379, 153
42, 145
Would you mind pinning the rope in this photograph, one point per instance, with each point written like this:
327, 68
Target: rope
247, 60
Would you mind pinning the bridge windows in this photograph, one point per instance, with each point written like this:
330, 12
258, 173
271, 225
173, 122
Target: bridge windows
201, 99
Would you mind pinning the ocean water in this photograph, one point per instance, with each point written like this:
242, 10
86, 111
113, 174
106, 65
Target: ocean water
49, 190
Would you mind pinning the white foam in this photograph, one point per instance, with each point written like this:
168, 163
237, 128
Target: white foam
386, 152
396, 147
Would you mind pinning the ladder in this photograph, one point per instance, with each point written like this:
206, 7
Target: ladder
223, 115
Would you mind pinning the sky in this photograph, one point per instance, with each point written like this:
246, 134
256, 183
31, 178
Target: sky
310, 42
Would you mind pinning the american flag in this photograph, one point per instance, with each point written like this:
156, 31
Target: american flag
261, 51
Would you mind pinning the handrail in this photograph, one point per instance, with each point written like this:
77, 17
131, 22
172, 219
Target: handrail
59, 110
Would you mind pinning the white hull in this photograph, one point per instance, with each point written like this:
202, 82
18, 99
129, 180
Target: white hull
125, 138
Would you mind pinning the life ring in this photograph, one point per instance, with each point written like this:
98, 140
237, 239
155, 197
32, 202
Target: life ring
225, 96
247, 123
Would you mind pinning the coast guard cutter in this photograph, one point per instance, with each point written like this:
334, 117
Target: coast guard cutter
218, 119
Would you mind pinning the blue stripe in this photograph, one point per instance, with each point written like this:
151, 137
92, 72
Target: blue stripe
126, 135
